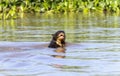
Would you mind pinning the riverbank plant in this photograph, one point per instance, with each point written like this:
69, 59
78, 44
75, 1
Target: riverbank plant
14, 8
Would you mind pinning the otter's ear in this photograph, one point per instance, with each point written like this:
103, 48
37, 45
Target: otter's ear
52, 34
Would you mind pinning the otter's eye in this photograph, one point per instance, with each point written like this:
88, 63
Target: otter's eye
61, 35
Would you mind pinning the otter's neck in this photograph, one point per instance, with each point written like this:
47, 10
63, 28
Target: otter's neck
59, 43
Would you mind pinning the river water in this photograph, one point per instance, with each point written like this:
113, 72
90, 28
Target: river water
93, 45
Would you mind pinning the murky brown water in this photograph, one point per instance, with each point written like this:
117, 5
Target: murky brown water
94, 48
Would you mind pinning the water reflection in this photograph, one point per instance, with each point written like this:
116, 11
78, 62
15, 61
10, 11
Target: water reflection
38, 28
97, 36
60, 53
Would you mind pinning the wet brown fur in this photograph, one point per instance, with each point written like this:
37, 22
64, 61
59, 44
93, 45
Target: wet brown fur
57, 41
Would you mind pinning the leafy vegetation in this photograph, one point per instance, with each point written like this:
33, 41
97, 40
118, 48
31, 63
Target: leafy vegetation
14, 8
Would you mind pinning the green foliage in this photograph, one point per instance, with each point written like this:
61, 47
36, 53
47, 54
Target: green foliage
12, 8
